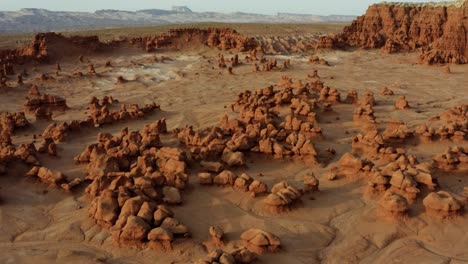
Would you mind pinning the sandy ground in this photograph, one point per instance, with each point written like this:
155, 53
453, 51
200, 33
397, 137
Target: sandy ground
336, 225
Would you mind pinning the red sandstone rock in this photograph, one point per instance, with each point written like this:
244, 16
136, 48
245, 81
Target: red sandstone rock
401, 103
11, 121
443, 204
260, 241
37, 100
394, 205
282, 197
223, 39
216, 234
440, 29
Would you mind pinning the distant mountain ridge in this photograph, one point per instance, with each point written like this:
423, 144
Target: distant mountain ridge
35, 20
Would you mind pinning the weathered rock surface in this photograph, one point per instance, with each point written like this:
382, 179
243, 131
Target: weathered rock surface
439, 29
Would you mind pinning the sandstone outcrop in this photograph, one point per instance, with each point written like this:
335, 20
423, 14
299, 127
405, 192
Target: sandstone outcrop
9, 122
48, 47
36, 101
454, 159
439, 30
223, 39
283, 196
393, 205
260, 241
443, 204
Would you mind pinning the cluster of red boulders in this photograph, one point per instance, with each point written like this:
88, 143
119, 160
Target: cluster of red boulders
11, 121
454, 129
133, 176
28, 155
261, 127
453, 159
255, 241
42, 105
99, 115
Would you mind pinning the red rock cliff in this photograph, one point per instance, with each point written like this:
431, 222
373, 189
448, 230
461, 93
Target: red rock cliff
221, 38
52, 46
440, 30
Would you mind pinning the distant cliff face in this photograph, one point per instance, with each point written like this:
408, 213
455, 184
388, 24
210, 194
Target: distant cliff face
440, 30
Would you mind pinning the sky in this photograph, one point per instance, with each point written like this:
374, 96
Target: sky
319, 7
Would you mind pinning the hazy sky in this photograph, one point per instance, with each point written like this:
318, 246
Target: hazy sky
320, 7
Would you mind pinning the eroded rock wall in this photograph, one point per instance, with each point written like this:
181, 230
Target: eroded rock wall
439, 30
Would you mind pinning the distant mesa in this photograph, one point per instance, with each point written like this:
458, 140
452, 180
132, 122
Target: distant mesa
181, 9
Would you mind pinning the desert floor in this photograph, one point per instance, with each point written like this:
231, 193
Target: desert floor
336, 225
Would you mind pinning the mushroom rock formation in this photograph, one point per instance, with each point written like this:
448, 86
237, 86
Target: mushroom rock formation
368, 144
401, 103
257, 188
402, 176
443, 204
329, 95
48, 146
457, 114
9, 122
311, 183
393, 205
454, 159
365, 115
352, 166
396, 131
439, 29
217, 235
283, 196
386, 91
160, 238
426, 134
368, 99
37, 100
352, 97
173, 225
225, 178
260, 241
